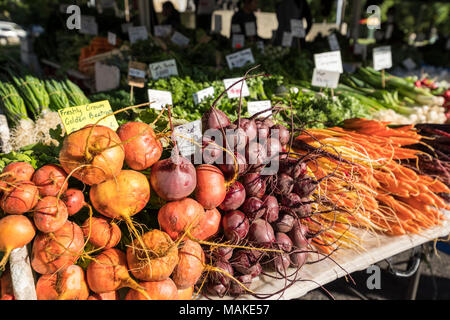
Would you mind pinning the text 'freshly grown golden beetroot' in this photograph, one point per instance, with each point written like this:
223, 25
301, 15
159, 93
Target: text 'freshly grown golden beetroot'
162, 252
96, 153
142, 149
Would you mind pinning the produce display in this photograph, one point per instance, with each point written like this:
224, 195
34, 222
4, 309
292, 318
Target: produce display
199, 198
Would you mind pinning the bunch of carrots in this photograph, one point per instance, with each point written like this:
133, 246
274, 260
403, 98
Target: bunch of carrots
366, 186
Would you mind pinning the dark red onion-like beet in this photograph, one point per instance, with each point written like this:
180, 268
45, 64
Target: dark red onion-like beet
298, 258
214, 119
262, 130
270, 203
253, 208
268, 122
298, 235
283, 241
305, 187
210, 151
302, 207
283, 133
281, 263
285, 224
235, 197
273, 148
220, 278
243, 263
235, 138
235, 225
255, 154
216, 289
173, 178
224, 253
228, 164
255, 185
74, 200
249, 127
293, 167
236, 289
291, 200
285, 184
261, 232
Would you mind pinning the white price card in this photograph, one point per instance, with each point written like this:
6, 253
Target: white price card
297, 29
382, 58
286, 41
163, 69
238, 41
240, 58
254, 107
159, 98
163, 30
126, 26
206, 6
409, 64
325, 79
136, 73
88, 25
137, 33
236, 28
333, 42
179, 39
185, 133
199, 96
217, 23
235, 91
250, 29
112, 38
329, 61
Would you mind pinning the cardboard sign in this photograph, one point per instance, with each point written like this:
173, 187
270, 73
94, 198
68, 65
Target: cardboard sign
409, 64
185, 132
159, 98
297, 29
199, 96
112, 38
137, 33
382, 58
254, 107
286, 41
106, 77
88, 25
333, 42
329, 61
179, 39
237, 41
235, 91
163, 30
325, 79
250, 29
126, 26
240, 58
163, 69
75, 118
236, 28
137, 72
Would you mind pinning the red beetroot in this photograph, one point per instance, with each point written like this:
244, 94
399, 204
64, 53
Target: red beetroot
50, 214
235, 225
235, 197
74, 201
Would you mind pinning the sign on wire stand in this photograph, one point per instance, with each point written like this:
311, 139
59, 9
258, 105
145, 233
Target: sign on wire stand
382, 58
329, 61
201, 95
254, 107
163, 69
159, 98
240, 58
137, 33
235, 91
325, 79
137, 71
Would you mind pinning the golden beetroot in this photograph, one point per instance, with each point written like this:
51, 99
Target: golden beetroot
17, 171
67, 284
112, 295
22, 198
74, 201
56, 251
208, 226
142, 149
50, 180
175, 217
163, 256
157, 290
94, 152
15, 232
211, 189
102, 232
50, 214
185, 294
190, 265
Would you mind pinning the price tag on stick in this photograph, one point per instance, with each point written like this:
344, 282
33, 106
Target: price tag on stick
185, 133
325, 79
137, 33
75, 118
159, 98
199, 96
329, 61
382, 58
137, 72
254, 107
163, 69
240, 58
235, 91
